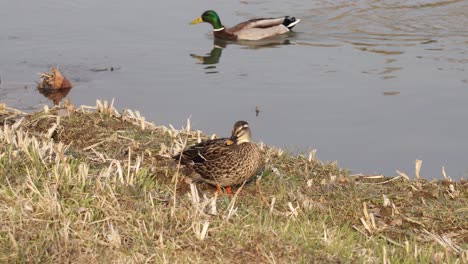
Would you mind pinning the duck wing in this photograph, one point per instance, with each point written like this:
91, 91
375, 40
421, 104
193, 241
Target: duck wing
259, 28
258, 22
204, 151
265, 22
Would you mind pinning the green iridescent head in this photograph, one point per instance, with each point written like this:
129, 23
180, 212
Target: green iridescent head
211, 17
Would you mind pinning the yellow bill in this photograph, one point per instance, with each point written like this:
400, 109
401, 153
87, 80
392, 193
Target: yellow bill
229, 142
196, 21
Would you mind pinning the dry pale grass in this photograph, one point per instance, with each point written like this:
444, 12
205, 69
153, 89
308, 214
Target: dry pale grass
92, 185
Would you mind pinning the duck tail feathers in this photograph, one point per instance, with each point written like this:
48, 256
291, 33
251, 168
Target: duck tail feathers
290, 22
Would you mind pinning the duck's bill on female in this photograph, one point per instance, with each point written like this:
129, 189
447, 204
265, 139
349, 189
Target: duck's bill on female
197, 21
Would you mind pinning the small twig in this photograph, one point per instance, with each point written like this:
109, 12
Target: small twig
231, 209
360, 175
445, 175
391, 241
417, 168
443, 241
96, 144
360, 231
384, 182
402, 174
412, 221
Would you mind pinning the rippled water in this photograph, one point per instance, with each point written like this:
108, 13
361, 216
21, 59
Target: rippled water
373, 84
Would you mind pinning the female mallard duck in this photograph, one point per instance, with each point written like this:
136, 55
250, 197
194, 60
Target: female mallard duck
225, 161
253, 29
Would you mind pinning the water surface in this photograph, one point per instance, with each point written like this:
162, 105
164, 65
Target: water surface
372, 84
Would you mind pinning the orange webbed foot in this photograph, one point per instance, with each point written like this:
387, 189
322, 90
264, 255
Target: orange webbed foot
220, 191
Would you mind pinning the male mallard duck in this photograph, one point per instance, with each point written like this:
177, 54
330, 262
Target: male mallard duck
225, 161
253, 29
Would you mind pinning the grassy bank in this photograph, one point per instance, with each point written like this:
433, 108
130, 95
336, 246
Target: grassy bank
91, 185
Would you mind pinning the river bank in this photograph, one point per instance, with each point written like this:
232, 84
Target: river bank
94, 185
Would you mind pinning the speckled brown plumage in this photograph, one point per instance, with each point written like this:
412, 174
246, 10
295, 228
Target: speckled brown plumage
226, 161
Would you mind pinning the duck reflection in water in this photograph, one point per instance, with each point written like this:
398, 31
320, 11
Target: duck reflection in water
55, 95
214, 55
